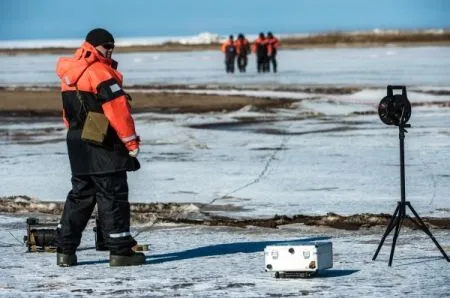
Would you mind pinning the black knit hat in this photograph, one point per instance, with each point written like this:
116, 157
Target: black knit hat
99, 36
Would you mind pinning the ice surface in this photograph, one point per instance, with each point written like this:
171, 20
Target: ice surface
426, 66
226, 262
318, 156
335, 162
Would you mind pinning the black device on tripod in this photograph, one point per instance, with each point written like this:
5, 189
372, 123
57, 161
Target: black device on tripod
396, 110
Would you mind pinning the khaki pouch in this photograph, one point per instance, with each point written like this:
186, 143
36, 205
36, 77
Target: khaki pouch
95, 128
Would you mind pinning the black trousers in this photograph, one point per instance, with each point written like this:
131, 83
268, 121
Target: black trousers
242, 62
273, 60
229, 64
262, 63
110, 193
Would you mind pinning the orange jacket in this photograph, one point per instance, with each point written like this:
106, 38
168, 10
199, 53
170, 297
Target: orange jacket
274, 42
94, 74
242, 46
226, 45
261, 45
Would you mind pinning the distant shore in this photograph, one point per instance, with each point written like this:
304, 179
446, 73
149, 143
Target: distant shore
328, 40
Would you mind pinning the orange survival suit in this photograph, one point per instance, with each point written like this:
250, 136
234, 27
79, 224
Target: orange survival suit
229, 49
243, 50
100, 86
274, 44
98, 171
263, 50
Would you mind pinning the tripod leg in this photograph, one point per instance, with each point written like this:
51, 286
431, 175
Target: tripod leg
389, 228
427, 231
394, 240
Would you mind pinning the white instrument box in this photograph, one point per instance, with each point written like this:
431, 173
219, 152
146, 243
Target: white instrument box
298, 260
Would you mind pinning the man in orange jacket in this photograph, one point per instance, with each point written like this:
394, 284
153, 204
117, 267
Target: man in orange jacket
90, 81
262, 50
242, 50
274, 44
229, 49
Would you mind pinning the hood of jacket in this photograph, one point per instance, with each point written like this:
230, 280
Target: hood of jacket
70, 69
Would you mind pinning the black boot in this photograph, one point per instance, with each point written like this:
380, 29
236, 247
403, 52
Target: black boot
132, 259
66, 260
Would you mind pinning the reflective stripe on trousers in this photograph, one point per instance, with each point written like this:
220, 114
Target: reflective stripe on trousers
119, 235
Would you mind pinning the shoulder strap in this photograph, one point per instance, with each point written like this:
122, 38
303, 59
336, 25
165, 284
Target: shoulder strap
82, 104
80, 97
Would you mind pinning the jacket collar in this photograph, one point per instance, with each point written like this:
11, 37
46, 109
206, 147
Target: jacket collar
90, 53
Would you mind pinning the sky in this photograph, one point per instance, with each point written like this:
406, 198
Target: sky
55, 19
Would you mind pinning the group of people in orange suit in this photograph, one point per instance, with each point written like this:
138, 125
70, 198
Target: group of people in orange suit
264, 47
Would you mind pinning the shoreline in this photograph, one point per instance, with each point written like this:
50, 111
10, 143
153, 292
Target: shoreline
175, 213
31, 102
328, 40
24, 102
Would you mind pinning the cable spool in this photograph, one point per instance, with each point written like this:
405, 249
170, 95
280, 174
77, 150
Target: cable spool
395, 109
40, 236
44, 237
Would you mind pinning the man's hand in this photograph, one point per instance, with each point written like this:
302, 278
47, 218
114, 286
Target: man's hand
134, 153
133, 147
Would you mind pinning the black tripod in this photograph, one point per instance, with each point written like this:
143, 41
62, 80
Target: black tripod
400, 211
